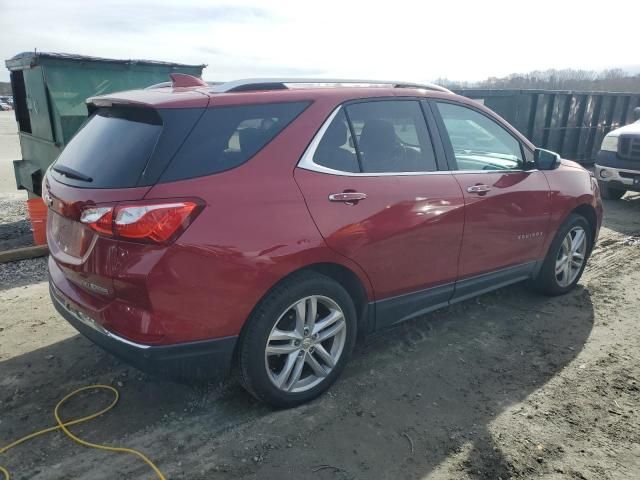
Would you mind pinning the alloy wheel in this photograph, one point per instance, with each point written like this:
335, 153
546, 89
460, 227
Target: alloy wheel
571, 256
305, 344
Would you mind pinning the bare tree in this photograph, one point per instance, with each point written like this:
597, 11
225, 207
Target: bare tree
612, 80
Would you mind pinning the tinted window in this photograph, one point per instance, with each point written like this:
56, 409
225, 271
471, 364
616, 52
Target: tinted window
226, 137
336, 150
392, 136
111, 149
478, 142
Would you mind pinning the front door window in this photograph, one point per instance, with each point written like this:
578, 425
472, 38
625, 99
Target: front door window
478, 142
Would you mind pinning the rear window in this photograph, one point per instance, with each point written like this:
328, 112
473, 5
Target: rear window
111, 149
226, 137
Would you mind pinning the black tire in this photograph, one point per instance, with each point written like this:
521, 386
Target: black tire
546, 281
609, 193
252, 362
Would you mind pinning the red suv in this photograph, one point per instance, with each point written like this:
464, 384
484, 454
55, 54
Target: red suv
267, 223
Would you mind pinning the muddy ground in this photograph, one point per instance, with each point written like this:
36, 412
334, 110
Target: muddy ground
509, 385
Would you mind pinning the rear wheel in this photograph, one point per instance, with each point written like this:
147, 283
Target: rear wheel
609, 193
298, 340
567, 257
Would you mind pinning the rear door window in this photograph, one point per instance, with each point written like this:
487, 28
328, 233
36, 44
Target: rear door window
226, 137
111, 150
392, 136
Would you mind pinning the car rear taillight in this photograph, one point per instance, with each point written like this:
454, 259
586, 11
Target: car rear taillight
99, 219
157, 223
148, 222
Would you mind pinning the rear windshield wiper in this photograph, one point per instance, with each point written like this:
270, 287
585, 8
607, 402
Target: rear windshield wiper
71, 173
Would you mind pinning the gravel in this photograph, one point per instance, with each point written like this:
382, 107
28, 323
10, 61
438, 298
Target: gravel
15, 231
24, 272
15, 228
13, 208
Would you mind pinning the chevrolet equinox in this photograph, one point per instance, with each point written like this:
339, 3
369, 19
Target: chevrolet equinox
265, 224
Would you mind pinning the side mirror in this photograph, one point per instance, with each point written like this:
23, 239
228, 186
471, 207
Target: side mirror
546, 159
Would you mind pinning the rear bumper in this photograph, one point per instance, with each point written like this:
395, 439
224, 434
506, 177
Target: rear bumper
201, 360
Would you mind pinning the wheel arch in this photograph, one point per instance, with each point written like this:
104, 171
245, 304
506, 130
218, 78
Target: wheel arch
585, 210
341, 274
350, 281
589, 213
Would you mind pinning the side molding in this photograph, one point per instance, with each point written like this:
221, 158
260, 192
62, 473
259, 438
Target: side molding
393, 310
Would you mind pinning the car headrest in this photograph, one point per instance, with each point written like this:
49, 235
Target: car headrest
377, 135
248, 139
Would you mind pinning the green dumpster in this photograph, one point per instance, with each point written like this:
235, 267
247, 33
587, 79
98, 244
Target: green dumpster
50, 90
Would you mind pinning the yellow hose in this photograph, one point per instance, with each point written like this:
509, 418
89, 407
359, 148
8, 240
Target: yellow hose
63, 426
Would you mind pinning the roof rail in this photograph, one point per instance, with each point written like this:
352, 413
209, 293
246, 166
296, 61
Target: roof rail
251, 84
170, 84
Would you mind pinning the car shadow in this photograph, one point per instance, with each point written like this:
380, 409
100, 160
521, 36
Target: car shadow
410, 397
623, 215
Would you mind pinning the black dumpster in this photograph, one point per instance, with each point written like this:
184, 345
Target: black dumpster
570, 123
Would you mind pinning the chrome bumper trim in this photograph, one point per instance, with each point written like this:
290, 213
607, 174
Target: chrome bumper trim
615, 174
90, 322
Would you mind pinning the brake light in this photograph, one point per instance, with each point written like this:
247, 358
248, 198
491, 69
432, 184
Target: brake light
153, 222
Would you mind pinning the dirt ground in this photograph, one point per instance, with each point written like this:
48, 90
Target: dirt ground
508, 385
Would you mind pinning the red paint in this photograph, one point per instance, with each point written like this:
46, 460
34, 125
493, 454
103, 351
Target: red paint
406, 235
505, 226
571, 186
266, 219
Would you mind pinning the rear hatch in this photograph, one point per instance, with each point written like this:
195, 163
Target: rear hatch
115, 158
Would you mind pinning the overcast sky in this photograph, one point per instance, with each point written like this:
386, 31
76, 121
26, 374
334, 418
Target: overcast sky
412, 41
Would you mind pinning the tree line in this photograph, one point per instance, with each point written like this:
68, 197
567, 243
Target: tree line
611, 80
5, 88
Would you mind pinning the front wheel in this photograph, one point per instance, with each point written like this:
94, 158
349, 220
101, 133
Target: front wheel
298, 340
567, 257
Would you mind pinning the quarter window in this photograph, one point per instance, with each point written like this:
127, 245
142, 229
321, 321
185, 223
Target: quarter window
336, 149
478, 142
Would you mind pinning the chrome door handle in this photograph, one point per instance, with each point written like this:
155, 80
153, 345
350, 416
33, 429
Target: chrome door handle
478, 189
350, 198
